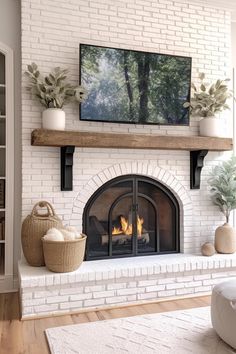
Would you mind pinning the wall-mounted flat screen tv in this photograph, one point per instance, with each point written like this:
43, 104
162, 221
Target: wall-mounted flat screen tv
126, 86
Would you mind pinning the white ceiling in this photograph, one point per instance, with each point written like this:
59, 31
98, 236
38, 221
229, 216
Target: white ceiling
226, 4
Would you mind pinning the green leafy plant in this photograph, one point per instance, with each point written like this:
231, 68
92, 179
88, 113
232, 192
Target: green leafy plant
209, 99
53, 90
223, 186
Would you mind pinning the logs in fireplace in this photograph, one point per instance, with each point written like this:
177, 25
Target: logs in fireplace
131, 216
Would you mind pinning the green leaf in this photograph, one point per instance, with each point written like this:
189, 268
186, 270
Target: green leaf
212, 89
30, 69
203, 87
218, 83
42, 88
201, 76
62, 78
52, 78
193, 86
36, 74
34, 66
47, 80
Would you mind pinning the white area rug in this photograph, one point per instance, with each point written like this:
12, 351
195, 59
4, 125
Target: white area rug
178, 332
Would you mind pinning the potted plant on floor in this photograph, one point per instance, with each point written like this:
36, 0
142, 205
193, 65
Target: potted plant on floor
208, 100
223, 194
53, 92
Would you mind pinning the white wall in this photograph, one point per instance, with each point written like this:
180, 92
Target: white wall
233, 43
10, 34
51, 35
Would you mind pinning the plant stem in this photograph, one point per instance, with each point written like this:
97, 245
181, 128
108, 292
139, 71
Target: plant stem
227, 217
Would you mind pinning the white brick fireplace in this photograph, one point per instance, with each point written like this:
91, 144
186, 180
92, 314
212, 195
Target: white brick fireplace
51, 33
152, 170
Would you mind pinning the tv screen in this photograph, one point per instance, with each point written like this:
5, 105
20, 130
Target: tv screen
126, 86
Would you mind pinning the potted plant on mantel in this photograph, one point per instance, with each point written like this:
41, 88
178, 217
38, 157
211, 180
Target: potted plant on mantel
223, 194
207, 102
53, 92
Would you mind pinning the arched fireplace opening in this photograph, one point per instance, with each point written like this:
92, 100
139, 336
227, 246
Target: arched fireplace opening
131, 215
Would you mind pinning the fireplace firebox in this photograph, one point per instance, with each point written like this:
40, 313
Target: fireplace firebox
131, 215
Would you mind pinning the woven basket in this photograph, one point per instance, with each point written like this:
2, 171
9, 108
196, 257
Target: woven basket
64, 256
34, 227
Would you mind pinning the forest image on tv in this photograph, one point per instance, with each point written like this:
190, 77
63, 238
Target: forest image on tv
134, 87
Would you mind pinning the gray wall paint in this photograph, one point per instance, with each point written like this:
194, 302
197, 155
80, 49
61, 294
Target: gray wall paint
10, 34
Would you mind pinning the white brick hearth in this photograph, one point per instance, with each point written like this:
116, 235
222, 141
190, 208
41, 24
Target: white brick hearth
106, 283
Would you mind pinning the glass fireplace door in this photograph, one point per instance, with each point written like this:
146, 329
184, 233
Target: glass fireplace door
121, 226
163, 209
131, 216
147, 225
107, 221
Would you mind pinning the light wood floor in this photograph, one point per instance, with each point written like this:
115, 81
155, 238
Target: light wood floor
27, 337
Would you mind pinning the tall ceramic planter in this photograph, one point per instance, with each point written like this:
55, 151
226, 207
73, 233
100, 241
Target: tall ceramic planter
212, 126
54, 119
225, 239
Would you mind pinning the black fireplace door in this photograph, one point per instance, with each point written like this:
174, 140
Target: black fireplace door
131, 216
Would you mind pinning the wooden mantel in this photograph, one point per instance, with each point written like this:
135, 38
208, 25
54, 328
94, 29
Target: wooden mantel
68, 140
41, 137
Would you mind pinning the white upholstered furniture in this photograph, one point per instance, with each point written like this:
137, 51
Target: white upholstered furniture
223, 311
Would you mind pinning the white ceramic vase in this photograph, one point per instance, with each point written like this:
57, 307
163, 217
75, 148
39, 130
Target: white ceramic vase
53, 119
212, 126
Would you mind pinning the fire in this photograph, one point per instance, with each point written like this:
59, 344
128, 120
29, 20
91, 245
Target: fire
116, 231
127, 229
140, 222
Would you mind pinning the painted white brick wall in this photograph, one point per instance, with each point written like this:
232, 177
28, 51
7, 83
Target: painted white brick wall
51, 34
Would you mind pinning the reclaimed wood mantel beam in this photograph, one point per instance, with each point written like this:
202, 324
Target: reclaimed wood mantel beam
41, 137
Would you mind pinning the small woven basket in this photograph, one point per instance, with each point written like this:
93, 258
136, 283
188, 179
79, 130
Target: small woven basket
64, 256
34, 227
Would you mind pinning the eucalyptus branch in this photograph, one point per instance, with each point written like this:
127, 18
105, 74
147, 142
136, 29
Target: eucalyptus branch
53, 90
209, 99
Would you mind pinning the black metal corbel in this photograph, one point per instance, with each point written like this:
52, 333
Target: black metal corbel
67, 153
196, 165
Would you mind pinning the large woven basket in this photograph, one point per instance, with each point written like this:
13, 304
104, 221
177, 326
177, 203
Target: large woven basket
34, 227
64, 256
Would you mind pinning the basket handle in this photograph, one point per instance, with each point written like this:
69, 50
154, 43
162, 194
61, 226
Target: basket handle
43, 204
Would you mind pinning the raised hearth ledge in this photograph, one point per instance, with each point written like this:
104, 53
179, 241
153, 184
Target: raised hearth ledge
116, 282
126, 267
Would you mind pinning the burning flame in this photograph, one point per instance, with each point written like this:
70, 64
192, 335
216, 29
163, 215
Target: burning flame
127, 229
